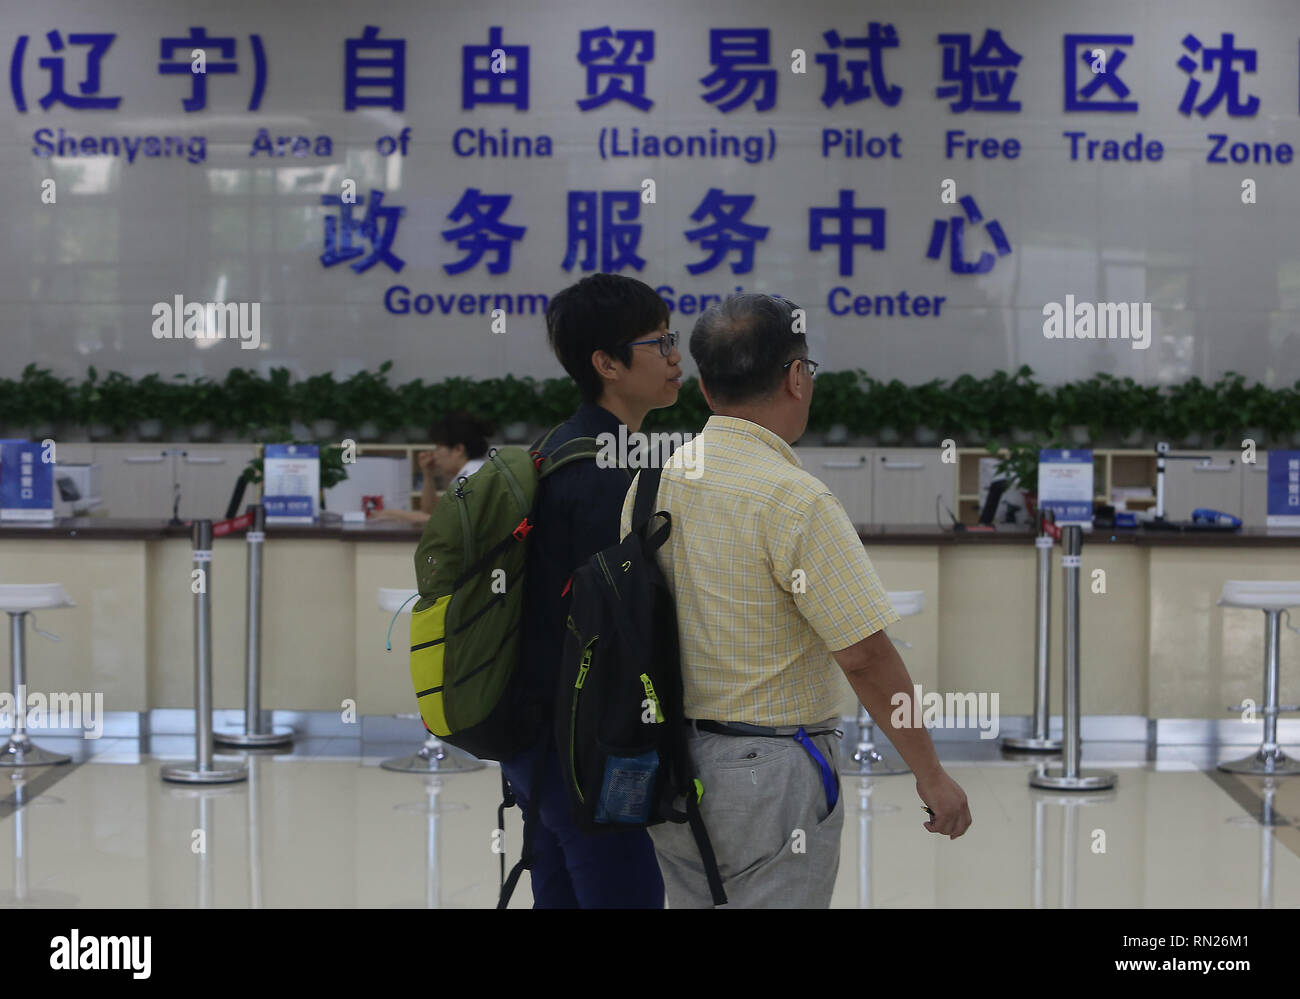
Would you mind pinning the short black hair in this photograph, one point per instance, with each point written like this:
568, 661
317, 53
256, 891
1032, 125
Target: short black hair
741, 343
460, 427
600, 312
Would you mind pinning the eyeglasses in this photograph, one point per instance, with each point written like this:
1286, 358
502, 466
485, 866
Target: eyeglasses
812, 366
666, 343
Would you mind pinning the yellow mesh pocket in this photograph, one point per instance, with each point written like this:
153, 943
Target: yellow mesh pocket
428, 645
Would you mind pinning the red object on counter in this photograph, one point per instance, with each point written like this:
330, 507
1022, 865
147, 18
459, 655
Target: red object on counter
223, 527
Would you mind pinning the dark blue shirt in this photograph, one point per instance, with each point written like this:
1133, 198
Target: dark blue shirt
577, 515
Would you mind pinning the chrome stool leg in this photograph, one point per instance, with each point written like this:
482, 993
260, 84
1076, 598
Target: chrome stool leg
434, 758
1269, 760
20, 751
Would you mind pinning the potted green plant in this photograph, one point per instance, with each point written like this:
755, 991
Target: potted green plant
10, 406
180, 398
968, 409
201, 409
1129, 410
259, 408
895, 409
834, 405
362, 401
85, 403
510, 404
276, 408
1072, 409
455, 395
559, 397
1020, 466
384, 406
1011, 404
1291, 409
117, 404
152, 401
933, 405
1191, 409
416, 404
317, 404
1255, 412
45, 401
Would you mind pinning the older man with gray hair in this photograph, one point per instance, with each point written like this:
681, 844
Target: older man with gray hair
773, 589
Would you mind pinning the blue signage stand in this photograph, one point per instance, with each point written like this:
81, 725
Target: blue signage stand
26, 481
1283, 489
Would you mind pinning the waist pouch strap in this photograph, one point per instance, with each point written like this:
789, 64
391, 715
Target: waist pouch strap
828, 775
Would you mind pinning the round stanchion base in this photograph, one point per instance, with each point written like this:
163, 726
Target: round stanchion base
436, 759
1053, 779
1032, 745
869, 763
191, 774
1265, 763
278, 736
24, 753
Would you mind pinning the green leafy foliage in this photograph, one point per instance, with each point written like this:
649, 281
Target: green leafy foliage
967, 408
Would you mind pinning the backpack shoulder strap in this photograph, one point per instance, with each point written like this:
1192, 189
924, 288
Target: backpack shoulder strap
647, 492
577, 449
542, 441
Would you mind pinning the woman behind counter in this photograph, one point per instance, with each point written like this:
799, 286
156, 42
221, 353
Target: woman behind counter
459, 448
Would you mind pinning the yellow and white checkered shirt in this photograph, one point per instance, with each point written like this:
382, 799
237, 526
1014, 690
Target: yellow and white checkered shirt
768, 574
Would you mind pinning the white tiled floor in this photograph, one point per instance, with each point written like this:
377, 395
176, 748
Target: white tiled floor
333, 829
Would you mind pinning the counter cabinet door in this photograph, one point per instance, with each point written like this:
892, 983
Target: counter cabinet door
1215, 484
906, 482
847, 473
136, 480
1254, 492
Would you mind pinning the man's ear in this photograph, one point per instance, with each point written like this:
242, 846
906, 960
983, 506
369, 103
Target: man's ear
794, 382
704, 391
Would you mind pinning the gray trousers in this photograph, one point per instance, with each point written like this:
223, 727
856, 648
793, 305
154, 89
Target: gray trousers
764, 806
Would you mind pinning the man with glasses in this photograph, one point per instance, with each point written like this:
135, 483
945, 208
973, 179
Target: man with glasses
611, 334
773, 589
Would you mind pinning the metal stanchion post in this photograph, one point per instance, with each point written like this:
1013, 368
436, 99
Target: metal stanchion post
1069, 776
23, 894
864, 844
433, 882
1040, 741
203, 771
865, 761
255, 735
1038, 881
867, 810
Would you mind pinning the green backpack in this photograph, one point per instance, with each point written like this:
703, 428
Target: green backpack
469, 570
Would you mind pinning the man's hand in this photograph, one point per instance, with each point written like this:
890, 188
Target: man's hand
425, 460
948, 802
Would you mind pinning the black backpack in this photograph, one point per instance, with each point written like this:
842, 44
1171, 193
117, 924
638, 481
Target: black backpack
619, 722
